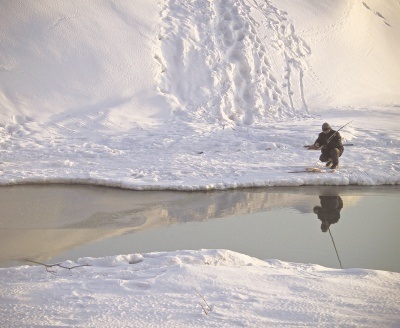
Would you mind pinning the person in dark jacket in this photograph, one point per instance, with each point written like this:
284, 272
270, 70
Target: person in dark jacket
329, 211
330, 143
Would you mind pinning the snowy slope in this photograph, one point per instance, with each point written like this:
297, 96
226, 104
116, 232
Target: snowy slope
219, 61
354, 50
196, 94
87, 61
177, 289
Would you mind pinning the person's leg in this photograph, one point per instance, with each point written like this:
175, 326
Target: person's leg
324, 158
334, 154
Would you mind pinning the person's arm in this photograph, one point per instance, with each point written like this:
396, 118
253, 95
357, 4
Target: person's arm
318, 143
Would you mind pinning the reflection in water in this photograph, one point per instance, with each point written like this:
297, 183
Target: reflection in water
77, 215
329, 211
47, 223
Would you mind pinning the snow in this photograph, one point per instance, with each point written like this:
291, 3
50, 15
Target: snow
197, 95
205, 288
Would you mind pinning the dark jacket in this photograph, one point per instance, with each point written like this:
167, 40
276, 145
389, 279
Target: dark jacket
329, 211
336, 142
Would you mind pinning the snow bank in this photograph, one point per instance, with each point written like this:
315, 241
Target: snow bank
196, 95
78, 61
179, 288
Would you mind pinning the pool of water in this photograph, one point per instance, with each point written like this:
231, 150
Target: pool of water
349, 227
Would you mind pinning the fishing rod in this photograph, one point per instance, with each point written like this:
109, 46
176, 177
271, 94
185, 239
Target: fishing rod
331, 137
337, 254
344, 145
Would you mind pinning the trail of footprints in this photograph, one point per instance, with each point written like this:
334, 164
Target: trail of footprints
243, 78
377, 13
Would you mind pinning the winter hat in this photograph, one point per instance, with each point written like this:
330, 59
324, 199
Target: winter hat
326, 126
325, 226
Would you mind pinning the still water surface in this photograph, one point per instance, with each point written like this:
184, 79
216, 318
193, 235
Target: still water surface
349, 227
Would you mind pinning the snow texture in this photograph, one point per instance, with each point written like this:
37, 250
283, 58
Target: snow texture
197, 95
206, 288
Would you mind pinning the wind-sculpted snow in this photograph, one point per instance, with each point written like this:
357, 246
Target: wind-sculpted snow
231, 61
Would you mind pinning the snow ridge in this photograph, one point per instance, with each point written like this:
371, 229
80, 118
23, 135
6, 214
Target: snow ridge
216, 68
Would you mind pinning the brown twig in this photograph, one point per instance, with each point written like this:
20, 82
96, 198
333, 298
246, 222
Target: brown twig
48, 266
206, 308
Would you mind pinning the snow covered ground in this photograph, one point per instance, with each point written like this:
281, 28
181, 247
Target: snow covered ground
206, 288
197, 95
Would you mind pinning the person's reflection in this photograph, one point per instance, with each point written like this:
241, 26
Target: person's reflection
329, 211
